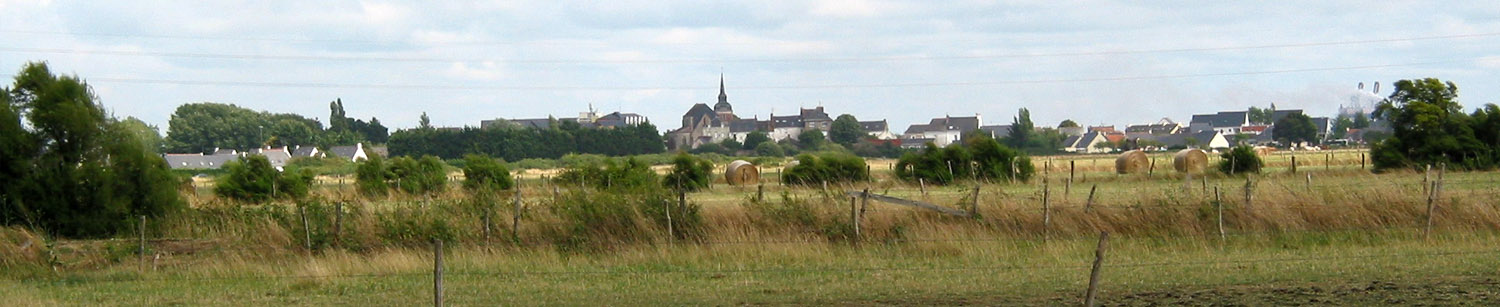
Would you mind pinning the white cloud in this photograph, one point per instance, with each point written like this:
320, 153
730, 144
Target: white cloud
851, 8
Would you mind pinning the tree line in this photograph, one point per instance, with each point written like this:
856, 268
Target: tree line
513, 143
1431, 129
203, 127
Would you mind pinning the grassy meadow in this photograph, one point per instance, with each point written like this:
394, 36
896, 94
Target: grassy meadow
1326, 227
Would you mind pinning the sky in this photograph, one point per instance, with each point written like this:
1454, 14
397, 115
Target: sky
1095, 62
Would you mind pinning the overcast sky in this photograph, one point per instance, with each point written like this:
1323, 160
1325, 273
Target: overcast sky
1093, 62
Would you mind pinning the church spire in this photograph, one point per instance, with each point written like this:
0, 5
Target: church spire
723, 98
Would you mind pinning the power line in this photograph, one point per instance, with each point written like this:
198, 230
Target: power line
700, 61
753, 87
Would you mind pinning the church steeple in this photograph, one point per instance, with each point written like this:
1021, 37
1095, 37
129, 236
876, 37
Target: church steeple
723, 105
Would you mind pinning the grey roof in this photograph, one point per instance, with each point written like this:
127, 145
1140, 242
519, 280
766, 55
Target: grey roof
874, 126
618, 119
198, 161
1153, 128
1278, 114
1223, 119
997, 131
537, 123
305, 151
277, 156
793, 121
346, 152
742, 125
699, 111
814, 114
1180, 139
1083, 141
917, 129
970, 123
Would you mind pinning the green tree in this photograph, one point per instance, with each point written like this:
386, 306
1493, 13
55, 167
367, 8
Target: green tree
370, 176
846, 130
1021, 129
252, 178
482, 173
1429, 128
144, 133
688, 173
85, 175
1295, 128
424, 122
755, 138
1067, 123
1240, 159
810, 139
730, 146
1341, 127
769, 149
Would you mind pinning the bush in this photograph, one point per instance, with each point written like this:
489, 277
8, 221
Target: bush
689, 173
370, 176
1241, 159
977, 158
611, 175
251, 178
769, 149
427, 175
482, 173
324, 165
826, 167
596, 221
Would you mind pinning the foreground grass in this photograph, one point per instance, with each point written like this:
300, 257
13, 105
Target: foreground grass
993, 271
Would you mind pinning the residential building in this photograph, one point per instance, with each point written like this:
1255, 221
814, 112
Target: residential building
1001, 131
1085, 143
879, 129
353, 153
1165, 126
702, 124
943, 130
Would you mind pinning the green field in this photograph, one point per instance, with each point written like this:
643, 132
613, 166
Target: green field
1341, 236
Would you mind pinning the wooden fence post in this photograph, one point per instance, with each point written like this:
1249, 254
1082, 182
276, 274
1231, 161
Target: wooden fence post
1071, 172
1046, 210
338, 224
1294, 164
1093, 292
671, 231
1309, 183
1249, 194
437, 272
1067, 189
760, 192
1219, 209
1327, 161
1090, 203
1431, 205
306, 230
973, 205
141, 249
1361, 160
922, 184
515, 217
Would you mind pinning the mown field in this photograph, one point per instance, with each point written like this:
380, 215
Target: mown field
1328, 234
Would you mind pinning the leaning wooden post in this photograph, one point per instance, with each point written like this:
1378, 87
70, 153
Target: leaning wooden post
1361, 160
1309, 183
922, 184
141, 249
974, 202
1093, 292
671, 231
437, 272
1431, 206
306, 230
854, 217
1089, 205
1219, 209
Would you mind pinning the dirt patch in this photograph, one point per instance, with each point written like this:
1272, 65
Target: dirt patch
1448, 291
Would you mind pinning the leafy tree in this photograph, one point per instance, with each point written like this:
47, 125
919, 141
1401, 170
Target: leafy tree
73, 170
1260, 116
424, 122
1021, 129
1341, 127
769, 149
482, 173
832, 167
1429, 128
202, 127
370, 176
689, 173
144, 133
731, 146
755, 138
810, 139
252, 178
1240, 159
1067, 123
1295, 128
1360, 121
846, 130
612, 175
419, 176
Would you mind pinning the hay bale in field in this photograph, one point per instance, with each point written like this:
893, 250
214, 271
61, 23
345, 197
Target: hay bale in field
1263, 150
741, 172
1134, 161
1192, 161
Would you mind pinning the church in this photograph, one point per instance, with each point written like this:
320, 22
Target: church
703, 125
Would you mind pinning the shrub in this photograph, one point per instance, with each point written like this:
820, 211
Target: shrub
826, 167
1241, 159
977, 158
370, 176
769, 149
689, 173
419, 176
251, 178
482, 173
595, 221
611, 175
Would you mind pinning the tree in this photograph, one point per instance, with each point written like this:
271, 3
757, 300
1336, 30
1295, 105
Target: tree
755, 138
810, 139
1295, 128
370, 176
252, 178
84, 174
1429, 128
688, 173
424, 122
144, 133
1021, 129
484, 174
1240, 159
1067, 123
731, 146
1341, 127
203, 127
1260, 116
769, 149
846, 130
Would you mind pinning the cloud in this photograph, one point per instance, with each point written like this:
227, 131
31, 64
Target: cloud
485, 71
851, 8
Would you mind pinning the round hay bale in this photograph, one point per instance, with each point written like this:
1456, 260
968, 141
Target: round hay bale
741, 172
1191, 161
1134, 161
